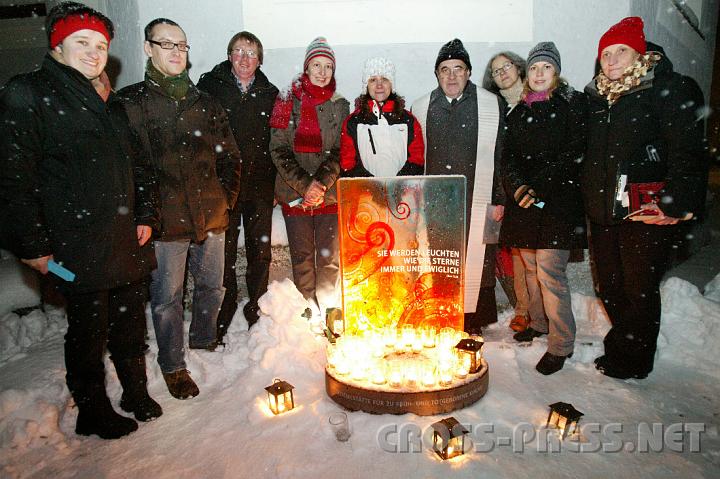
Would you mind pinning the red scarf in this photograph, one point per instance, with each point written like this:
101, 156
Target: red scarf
307, 132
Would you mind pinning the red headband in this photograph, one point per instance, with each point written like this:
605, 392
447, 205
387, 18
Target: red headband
72, 23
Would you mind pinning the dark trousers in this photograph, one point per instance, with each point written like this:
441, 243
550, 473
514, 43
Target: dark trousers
256, 218
115, 318
486, 309
630, 260
314, 252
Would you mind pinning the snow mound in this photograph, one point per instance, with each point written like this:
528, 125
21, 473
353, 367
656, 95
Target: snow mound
18, 333
712, 289
20, 285
690, 328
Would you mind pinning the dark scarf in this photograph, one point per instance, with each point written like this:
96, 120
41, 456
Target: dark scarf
307, 133
176, 87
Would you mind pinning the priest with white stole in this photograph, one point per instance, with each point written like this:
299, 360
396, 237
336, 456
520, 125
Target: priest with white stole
463, 127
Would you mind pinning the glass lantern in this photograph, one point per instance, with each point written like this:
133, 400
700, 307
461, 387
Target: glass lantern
472, 350
280, 396
563, 416
449, 438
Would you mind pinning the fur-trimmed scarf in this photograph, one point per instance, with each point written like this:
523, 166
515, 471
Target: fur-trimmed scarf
631, 77
307, 133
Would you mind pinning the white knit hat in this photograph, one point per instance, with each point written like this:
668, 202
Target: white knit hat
378, 66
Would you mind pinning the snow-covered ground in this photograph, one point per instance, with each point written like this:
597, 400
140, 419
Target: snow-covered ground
227, 430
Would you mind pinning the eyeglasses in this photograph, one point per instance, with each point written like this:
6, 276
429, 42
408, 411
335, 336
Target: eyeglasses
505, 67
183, 47
457, 70
240, 52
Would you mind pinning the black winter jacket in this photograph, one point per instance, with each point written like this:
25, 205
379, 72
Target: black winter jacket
249, 115
191, 147
543, 148
665, 114
67, 184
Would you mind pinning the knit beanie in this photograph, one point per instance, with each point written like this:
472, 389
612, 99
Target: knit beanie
319, 48
544, 52
378, 66
628, 31
70, 24
453, 50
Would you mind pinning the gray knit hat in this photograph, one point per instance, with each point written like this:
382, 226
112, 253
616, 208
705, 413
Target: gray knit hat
544, 52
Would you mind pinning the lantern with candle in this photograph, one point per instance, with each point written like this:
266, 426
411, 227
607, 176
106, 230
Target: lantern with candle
448, 438
280, 396
563, 416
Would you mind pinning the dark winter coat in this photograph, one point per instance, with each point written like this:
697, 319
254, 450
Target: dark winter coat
297, 170
191, 147
67, 185
544, 145
249, 115
665, 114
364, 140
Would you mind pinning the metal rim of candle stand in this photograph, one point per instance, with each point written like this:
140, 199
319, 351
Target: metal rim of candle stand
421, 402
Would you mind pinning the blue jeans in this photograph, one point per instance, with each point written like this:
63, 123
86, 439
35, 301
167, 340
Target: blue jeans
206, 261
545, 271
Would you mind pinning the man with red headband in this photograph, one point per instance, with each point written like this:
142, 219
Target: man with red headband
74, 197
645, 140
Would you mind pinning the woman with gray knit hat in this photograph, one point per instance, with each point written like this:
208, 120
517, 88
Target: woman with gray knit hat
305, 147
381, 137
543, 148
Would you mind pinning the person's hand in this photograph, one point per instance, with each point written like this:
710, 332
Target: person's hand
498, 213
39, 264
660, 218
144, 233
314, 196
525, 196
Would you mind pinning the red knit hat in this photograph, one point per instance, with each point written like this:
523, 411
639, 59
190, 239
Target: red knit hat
628, 31
72, 23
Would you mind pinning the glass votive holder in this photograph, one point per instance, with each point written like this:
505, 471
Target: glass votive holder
411, 374
427, 374
377, 373
445, 376
390, 337
340, 426
427, 336
394, 374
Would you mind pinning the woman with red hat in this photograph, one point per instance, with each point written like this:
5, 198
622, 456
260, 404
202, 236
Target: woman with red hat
645, 171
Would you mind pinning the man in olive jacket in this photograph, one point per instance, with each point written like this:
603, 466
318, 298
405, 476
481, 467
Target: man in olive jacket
248, 97
187, 138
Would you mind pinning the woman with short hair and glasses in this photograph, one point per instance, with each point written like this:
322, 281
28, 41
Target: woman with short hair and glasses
504, 76
305, 147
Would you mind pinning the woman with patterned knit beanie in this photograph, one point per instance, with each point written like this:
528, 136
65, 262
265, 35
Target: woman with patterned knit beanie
305, 147
381, 137
544, 145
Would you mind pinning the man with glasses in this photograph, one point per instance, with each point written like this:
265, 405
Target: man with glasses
463, 128
186, 136
248, 97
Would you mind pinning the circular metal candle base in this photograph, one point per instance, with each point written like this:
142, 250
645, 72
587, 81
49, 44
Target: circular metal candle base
420, 402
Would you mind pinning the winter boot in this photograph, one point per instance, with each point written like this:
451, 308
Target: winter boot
96, 416
135, 397
528, 335
180, 384
551, 363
